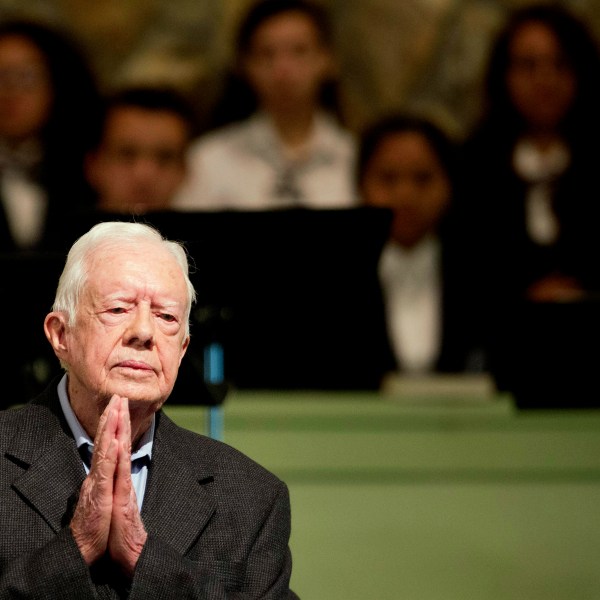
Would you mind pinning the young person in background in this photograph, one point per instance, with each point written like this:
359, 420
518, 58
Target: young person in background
49, 109
408, 165
283, 145
530, 177
530, 191
139, 161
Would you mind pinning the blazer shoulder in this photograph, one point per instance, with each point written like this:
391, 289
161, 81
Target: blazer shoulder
9, 422
213, 456
26, 423
35, 422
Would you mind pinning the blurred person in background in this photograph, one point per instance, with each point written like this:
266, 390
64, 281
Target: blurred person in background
136, 163
531, 189
530, 168
408, 165
139, 162
49, 105
277, 140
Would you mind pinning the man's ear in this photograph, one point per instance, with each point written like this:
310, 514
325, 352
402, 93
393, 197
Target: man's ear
55, 327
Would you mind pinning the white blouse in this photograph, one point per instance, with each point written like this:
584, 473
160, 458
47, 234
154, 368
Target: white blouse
411, 283
244, 166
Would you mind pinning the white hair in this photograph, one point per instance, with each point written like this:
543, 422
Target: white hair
112, 233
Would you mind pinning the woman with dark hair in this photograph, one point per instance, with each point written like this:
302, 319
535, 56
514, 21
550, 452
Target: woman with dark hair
408, 165
277, 142
49, 108
531, 186
530, 163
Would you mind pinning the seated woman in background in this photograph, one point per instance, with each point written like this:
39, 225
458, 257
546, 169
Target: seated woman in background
49, 107
283, 145
530, 165
408, 165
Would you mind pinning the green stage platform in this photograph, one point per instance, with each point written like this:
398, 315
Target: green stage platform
427, 498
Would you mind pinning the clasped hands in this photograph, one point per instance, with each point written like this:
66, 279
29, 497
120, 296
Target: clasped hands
107, 520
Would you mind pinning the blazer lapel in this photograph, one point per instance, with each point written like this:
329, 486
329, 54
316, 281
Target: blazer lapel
53, 470
176, 507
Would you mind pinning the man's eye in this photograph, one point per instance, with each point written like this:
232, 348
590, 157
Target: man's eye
167, 317
117, 310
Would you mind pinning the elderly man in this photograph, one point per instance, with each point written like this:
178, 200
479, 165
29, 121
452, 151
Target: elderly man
101, 495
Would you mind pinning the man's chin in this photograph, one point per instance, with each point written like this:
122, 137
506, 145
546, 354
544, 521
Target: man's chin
139, 392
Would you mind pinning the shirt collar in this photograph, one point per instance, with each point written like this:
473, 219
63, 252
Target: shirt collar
324, 139
144, 448
421, 258
536, 166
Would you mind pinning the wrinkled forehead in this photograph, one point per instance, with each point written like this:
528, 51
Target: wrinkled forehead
136, 262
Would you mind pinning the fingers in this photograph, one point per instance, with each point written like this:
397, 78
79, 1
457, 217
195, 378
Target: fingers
90, 525
122, 483
107, 518
106, 449
124, 426
127, 534
106, 433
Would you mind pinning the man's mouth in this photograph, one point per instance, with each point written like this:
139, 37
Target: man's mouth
135, 364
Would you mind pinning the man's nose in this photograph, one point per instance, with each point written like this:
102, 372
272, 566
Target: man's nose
140, 331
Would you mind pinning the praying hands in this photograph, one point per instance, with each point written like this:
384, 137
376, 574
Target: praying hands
107, 519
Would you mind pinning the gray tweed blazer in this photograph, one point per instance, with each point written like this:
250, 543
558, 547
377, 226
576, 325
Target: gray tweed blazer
218, 523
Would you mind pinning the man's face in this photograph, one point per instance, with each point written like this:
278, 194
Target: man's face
140, 162
130, 331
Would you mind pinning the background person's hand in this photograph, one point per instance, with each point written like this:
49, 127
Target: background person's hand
555, 288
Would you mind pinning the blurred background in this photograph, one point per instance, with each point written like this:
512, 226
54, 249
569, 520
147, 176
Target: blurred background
426, 53
433, 489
